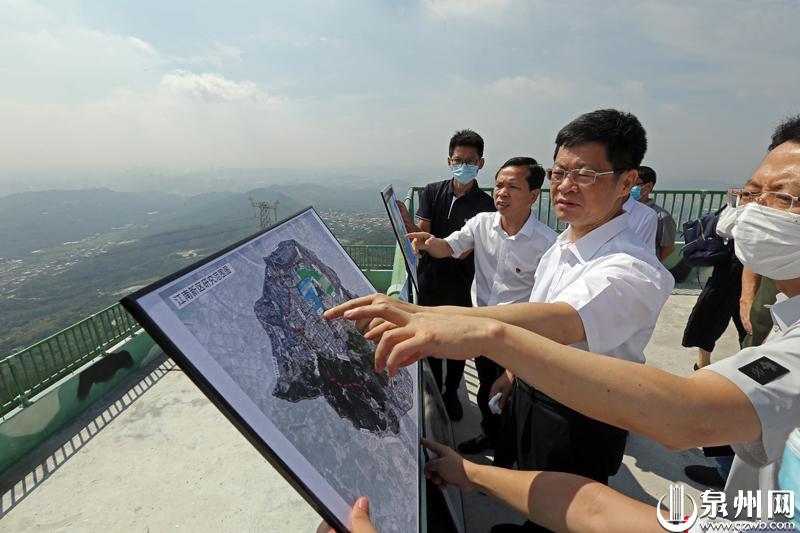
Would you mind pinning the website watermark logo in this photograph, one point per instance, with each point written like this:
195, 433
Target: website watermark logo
746, 512
676, 520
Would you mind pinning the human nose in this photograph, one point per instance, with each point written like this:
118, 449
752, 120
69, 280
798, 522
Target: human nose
562, 185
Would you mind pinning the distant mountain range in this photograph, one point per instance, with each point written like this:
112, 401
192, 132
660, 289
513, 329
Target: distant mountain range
38, 220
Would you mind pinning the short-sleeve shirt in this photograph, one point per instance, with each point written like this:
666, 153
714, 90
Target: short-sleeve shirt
615, 283
447, 281
770, 377
643, 221
665, 234
505, 265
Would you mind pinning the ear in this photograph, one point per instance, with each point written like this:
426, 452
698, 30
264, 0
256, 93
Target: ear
534, 195
480, 163
449, 160
629, 180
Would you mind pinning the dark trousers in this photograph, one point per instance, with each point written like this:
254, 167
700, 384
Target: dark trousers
717, 304
551, 436
488, 372
455, 370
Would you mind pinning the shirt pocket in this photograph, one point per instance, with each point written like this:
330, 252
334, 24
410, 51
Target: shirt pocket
520, 267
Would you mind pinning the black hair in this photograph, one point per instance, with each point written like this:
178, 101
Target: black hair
788, 130
621, 133
466, 138
535, 176
647, 174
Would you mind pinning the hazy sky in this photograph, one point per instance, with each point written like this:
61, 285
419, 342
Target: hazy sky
98, 86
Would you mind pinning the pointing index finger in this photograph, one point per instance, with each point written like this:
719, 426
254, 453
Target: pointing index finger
339, 310
385, 311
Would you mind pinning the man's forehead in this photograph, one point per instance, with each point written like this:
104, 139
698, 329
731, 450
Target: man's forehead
780, 169
589, 153
465, 151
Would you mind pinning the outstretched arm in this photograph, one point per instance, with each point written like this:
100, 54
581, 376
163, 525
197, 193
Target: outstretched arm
555, 500
629, 395
423, 241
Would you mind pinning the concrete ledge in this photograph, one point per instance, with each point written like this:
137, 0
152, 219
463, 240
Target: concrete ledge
24, 429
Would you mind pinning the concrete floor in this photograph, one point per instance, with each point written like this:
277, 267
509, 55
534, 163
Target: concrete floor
157, 456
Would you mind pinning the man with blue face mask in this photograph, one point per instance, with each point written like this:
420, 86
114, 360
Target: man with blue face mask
444, 208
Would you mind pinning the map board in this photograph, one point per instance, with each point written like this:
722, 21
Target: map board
399, 227
246, 326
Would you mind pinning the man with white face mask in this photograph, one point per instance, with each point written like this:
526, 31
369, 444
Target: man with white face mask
750, 400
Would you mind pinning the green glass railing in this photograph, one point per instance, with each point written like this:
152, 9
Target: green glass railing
683, 205
28, 372
32, 370
372, 256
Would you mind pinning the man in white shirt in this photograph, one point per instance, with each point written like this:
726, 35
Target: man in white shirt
750, 400
642, 220
507, 246
599, 287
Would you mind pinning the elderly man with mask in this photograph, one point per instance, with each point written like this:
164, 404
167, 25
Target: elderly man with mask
750, 400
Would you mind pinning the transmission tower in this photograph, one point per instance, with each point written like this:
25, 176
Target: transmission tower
268, 212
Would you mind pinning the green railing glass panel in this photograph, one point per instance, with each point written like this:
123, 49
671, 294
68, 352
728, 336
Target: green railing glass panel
372, 256
683, 205
30, 371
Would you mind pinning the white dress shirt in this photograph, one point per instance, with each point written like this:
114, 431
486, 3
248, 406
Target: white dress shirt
504, 265
613, 280
770, 377
643, 221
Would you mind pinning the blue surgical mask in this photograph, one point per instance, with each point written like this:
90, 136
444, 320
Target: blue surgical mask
636, 192
789, 476
464, 173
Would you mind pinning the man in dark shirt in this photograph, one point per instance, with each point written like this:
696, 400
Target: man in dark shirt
444, 208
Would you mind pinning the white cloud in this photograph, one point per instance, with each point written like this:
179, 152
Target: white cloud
209, 86
542, 87
218, 55
142, 45
460, 9
633, 87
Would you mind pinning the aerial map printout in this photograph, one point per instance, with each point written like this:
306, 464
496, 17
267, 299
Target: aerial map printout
250, 323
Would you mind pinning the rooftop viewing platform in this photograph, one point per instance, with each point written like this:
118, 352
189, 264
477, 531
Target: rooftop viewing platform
99, 431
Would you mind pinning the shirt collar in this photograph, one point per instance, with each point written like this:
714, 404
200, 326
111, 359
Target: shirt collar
587, 246
628, 203
527, 229
786, 313
475, 188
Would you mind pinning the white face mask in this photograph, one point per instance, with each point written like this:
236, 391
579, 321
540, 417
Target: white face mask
767, 241
726, 221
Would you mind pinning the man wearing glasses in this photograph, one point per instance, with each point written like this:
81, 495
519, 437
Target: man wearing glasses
443, 209
598, 288
751, 399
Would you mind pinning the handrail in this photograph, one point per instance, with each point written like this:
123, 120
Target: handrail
682, 204
28, 372
371, 256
